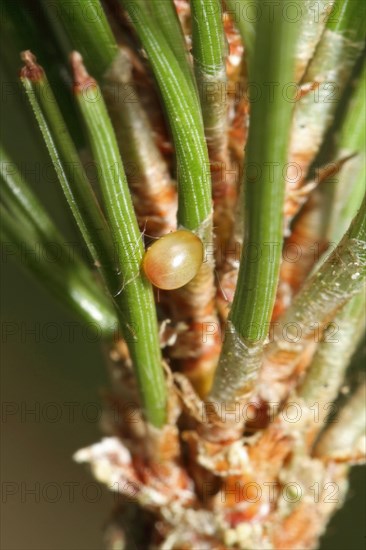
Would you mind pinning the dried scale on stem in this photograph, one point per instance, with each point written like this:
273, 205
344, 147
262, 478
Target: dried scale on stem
312, 23
239, 11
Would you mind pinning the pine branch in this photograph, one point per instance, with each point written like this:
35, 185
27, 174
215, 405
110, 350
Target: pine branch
329, 204
339, 277
71, 175
134, 297
325, 375
263, 204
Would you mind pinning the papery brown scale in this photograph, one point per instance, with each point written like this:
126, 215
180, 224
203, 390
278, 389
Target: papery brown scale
300, 529
82, 80
282, 369
194, 305
270, 451
32, 70
236, 49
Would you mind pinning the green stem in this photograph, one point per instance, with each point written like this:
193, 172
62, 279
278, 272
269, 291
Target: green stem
135, 136
312, 17
63, 272
347, 17
342, 438
154, 195
135, 297
326, 373
352, 141
340, 276
312, 24
70, 172
183, 111
264, 186
17, 192
336, 279
209, 53
330, 70
88, 30
166, 17
65, 280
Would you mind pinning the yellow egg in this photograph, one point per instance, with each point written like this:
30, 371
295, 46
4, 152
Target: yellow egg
173, 261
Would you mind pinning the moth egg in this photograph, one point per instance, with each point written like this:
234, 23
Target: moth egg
173, 260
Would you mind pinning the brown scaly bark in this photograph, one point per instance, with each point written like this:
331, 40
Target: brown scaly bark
266, 490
